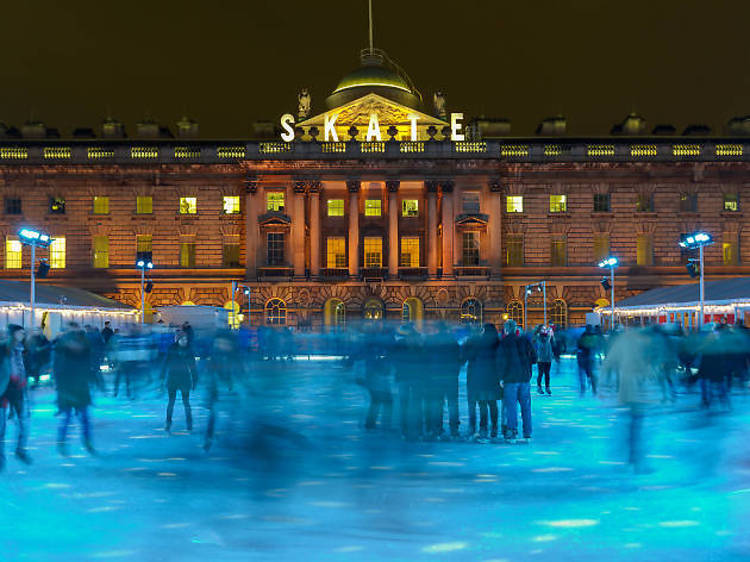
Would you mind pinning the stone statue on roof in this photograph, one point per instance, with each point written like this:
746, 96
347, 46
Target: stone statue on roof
438, 100
303, 104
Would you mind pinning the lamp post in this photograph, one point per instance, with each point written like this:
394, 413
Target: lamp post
540, 286
143, 264
33, 238
691, 242
611, 263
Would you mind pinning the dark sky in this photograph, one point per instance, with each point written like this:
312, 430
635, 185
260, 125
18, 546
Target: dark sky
229, 63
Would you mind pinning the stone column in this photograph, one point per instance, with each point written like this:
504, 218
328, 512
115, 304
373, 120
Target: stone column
392, 187
432, 228
494, 228
353, 187
252, 232
446, 188
298, 229
315, 229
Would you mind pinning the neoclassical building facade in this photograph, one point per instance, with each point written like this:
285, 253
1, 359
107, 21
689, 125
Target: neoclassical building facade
404, 215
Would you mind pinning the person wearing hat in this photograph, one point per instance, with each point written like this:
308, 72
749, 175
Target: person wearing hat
12, 389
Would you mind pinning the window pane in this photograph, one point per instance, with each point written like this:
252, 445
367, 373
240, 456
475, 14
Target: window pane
231, 255
57, 205
101, 251
275, 248
601, 247
13, 206
101, 205
57, 253
688, 202
601, 202
644, 250
372, 207
188, 205
276, 312
644, 203
13, 253
409, 251
558, 203
143, 243
410, 207
470, 202
731, 202
335, 207
729, 253
187, 254
514, 251
471, 248
231, 204
559, 252
514, 204
275, 201
144, 205
336, 252
373, 251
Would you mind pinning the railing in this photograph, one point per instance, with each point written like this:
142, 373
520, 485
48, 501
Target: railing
373, 273
275, 271
334, 273
412, 273
472, 271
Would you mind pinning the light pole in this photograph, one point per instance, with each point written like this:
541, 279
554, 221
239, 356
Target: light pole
611, 263
33, 238
143, 264
540, 286
691, 242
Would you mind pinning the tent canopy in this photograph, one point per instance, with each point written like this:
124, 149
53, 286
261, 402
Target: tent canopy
716, 292
54, 296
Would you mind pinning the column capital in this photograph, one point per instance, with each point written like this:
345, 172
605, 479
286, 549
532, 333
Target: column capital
432, 186
495, 185
353, 186
300, 186
313, 186
446, 186
392, 185
251, 184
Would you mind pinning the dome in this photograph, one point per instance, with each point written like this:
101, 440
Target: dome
376, 74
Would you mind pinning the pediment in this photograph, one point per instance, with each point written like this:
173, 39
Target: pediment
274, 219
472, 220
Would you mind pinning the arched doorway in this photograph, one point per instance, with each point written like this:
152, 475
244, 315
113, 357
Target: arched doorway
559, 314
412, 311
234, 318
275, 312
515, 312
471, 311
373, 309
334, 313
187, 303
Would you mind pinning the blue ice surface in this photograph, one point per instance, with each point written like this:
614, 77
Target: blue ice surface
293, 476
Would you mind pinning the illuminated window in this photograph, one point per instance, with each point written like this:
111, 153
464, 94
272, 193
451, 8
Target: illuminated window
470, 248
373, 251
335, 207
143, 243
471, 312
231, 204
275, 201
558, 203
729, 253
514, 250
409, 251
515, 312
187, 254
101, 205
470, 202
144, 205
231, 254
644, 203
373, 309
334, 313
57, 205
410, 208
13, 254
13, 206
276, 312
412, 310
234, 318
57, 253
559, 313
601, 202
188, 205
559, 252
336, 252
688, 202
275, 248
514, 204
645, 249
372, 207
731, 202
601, 247
101, 252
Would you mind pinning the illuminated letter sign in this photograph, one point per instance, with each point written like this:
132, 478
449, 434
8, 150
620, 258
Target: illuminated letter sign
373, 128
329, 128
287, 120
456, 134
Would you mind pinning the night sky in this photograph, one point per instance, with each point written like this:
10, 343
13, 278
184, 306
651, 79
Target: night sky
230, 63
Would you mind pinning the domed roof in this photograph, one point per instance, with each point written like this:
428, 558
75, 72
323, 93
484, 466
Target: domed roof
377, 74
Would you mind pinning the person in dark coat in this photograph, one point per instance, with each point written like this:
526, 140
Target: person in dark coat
12, 391
407, 360
715, 366
222, 366
482, 382
107, 332
39, 354
444, 356
514, 363
588, 347
179, 371
545, 354
373, 351
71, 368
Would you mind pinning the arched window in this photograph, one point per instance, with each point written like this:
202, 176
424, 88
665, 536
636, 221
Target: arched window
187, 303
334, 313
471, 311
276, 312
373, 309
234, 318
515, 312
412, 310
559, 314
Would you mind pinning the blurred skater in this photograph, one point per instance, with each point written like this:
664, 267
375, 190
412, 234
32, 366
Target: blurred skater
180, 374
13, 391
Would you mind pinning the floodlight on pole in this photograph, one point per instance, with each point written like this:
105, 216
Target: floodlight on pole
610, 262
143, 264
539, 286
691, 242
34, 238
